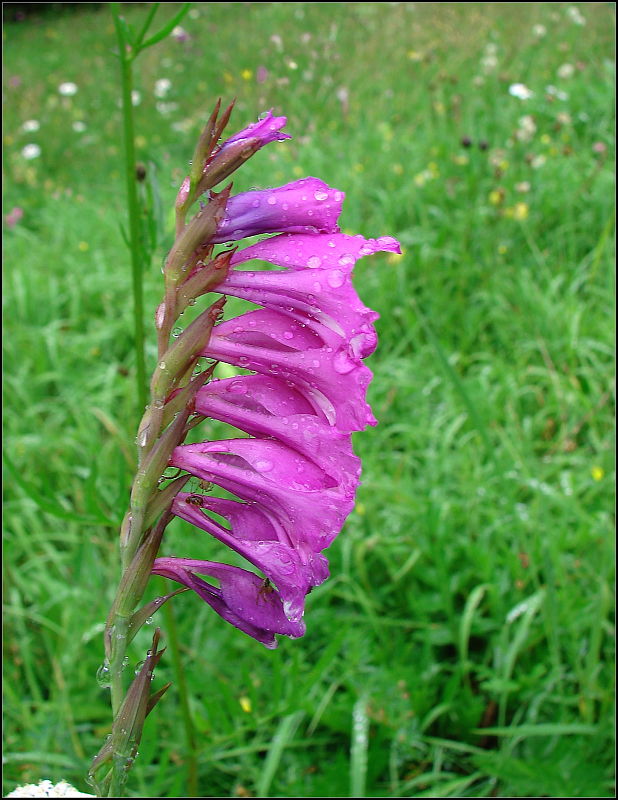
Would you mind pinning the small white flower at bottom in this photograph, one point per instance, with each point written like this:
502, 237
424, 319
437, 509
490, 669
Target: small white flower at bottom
47, 789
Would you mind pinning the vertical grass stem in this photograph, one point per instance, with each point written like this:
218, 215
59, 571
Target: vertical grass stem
137, 270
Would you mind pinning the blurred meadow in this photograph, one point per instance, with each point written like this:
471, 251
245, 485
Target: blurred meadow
463, 646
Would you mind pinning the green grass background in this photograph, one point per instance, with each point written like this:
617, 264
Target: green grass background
463, 646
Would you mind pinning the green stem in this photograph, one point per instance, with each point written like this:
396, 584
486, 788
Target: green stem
126, 61
181, 685
116, 668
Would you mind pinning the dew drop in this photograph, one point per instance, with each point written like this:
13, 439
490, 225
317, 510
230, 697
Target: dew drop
103, 675
320, 195
237, 387
313, 262
272, 200
162, 365
336, 278
263, 465
342, 363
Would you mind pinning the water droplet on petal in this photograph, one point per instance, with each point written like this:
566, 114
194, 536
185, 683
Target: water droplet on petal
343, 363
313, 262
335, 278
320, 195
263, 465
271, 200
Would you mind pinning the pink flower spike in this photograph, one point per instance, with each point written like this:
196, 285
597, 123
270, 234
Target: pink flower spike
243, 599
304, 206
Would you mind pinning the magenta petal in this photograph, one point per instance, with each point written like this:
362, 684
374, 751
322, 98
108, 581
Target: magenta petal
293, 571
323, 296
243, 598
304, 206
308, 502
329, 373
265, 406
300, 251
267, 129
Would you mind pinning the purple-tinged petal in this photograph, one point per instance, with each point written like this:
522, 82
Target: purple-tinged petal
243, 599
267, 129
265, 406
300, 251
325, 296
293, 570
304, 206
308, 502
325, 368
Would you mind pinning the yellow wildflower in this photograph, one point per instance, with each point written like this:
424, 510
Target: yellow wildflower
597, 473
246, 74
520, 211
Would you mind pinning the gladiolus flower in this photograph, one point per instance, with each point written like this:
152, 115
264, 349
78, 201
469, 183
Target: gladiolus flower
295, 478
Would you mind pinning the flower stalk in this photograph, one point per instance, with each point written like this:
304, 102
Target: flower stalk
299, 393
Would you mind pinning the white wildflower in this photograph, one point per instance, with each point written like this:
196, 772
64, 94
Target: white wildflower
521, 91
566, 71
136, 97
575, 15
79, 126
166, 108
527, 128
31, 151
539, 31
67, 89
47, 789
557, 93
31, 125
162, 87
